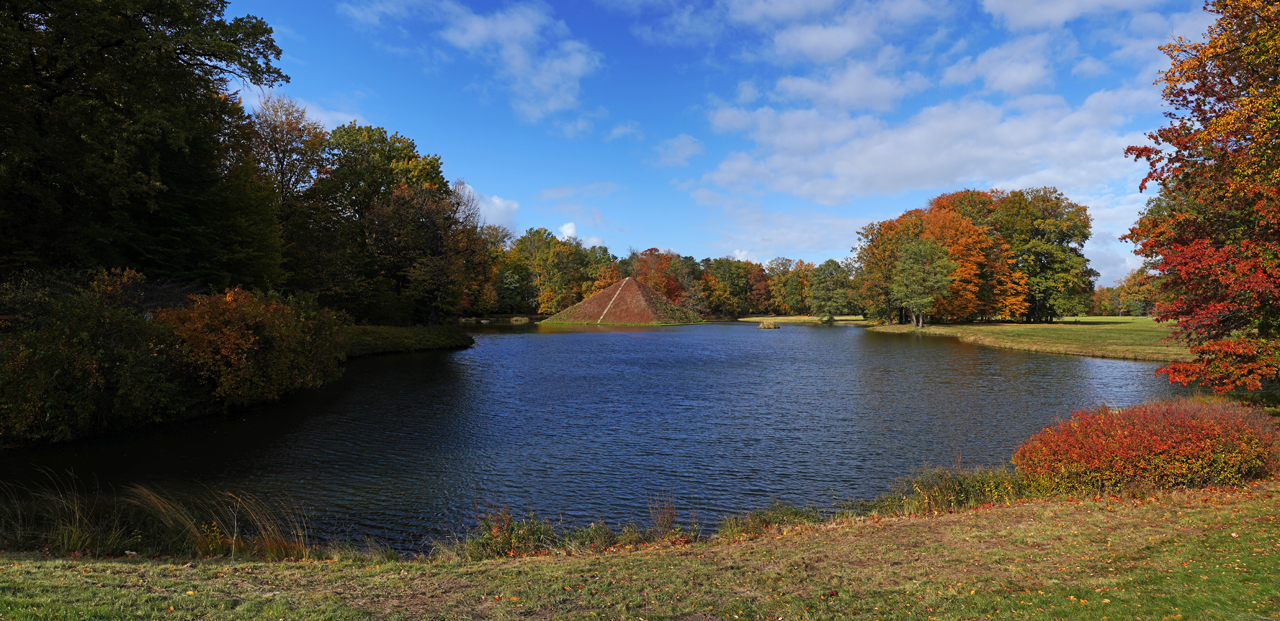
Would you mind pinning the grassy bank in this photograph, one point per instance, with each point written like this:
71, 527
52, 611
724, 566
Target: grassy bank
1128, 338
1165, 556
368, 340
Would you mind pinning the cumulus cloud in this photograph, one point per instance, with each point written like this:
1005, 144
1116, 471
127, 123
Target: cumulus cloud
567, 230
831, 156
498, 210
533, 55
1014, 67
530, 51
677, 151
855, 86
826, 42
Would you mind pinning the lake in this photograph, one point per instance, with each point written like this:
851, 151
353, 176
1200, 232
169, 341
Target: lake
587, 424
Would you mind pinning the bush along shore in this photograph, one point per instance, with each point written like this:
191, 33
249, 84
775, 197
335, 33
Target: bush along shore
119, 352
1155, 511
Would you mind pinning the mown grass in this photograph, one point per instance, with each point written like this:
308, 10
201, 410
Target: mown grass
1128, 338
368, 340
1205, 553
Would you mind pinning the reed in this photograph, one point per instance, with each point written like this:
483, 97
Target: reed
66, 517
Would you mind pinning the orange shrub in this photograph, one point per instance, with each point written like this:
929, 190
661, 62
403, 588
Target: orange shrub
1160, 444
249, 347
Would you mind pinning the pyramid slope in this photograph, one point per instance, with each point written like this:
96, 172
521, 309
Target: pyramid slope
628, 301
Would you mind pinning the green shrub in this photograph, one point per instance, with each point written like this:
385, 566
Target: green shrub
502, 534
939, 490
85, 367
1158, 445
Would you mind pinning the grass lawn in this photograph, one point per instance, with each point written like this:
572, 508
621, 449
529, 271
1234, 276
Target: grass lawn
1130, 338
1177, 555
368, 340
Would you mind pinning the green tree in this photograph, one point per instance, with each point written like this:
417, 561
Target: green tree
1047, 232
830, 290
95, 97
923, 272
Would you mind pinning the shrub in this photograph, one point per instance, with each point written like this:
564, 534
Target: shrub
86, 366
940, 490
1160, 444
249, 347
501, 533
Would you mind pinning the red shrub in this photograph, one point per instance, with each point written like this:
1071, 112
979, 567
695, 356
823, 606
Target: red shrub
1161, 444
250, 347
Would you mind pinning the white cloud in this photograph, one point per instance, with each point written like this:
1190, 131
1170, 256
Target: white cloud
1023, 14
498, 210
1090, 67
623, 130
592, 241
593, 190
531, 52
575, 128
567, 230
742, 255
1014, 67
747, 92
677, 151
830, 157
857, 85
826, 42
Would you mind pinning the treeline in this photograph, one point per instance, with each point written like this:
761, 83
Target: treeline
540, 273
977, 256
1135, 295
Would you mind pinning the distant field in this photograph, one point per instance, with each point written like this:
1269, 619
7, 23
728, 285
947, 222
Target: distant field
1129, 338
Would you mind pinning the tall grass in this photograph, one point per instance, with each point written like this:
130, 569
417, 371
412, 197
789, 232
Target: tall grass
65, 517
935, 491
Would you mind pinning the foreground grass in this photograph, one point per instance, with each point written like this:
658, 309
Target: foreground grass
1174, 555
369, 340
1129, 338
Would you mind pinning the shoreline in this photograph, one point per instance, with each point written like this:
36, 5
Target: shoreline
1159, 554
1120, 338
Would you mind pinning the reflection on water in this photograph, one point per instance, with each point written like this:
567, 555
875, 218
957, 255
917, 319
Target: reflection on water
585, 423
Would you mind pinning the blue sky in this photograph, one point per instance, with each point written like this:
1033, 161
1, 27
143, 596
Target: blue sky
748, 128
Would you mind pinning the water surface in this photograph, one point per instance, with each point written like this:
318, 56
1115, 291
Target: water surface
587, 423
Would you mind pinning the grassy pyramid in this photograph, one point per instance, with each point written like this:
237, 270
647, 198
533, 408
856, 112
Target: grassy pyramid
627, 302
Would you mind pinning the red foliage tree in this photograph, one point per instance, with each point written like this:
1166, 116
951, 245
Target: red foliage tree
1214, 232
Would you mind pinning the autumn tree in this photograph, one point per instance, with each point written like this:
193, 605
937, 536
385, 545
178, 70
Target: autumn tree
1213, 233
288, 145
